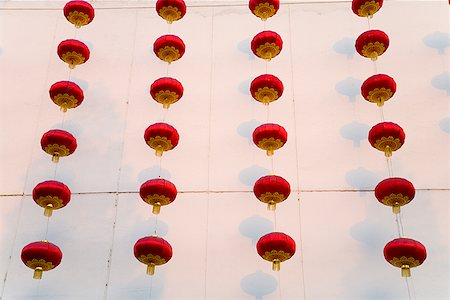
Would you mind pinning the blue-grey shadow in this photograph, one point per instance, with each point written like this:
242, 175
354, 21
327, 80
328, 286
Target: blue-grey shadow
259, 284
89, 44
346, 46
246, 129
244, 87
442, 82
355, 132
244, 47
362, 179
349, 87
444, 124
248, 176
437, 40
83, 84
255, 227
370, 233
153, 172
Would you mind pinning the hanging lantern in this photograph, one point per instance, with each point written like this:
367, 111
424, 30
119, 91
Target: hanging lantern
169, 48
267, 44
378, 88
158, 192
161, 137
41, 256
269, 137
152, 251
276, 247
271, 189
58, 143
171, 10
372, 44
266, 88
73, 52
51, 195
66, 94
79, 13
366, 8
405, 253
395, 192
166, 91
387, 137
264, 9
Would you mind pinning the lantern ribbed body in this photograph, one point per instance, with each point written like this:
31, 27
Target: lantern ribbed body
152, 251
79, 13
378, 88
66, 94
166, 91
161, 137
366, 8
171, 10
264, 9
395, 192
73, 52
267, 44
372, 44
158, 192
272, 190
269, 137
405, 253
58, 143
169, 48
387, 137
41, 256
51, 195
276, 247
266, 88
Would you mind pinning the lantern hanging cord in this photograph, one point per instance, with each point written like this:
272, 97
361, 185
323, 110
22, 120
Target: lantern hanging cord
167, 69
398, 222
155, 231
368, 22
54, 173
275, 220
160, 167
271, 165
410, 287
401, 223
279, 285
381, 113
375, 67
389, 166
151, 287
46, 228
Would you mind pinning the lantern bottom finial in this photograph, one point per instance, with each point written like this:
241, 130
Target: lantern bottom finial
72, 66
48, 210
38, 273
276, 265
388, 151
156, 208
270, 152
271, 205
406, 271
55, 157
151, 269
396, 208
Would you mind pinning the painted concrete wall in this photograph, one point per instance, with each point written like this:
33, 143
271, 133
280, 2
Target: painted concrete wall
339, 227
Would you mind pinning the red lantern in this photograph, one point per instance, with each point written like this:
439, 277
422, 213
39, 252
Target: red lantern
366, 8
58, 143
264, 9
266, 88
405, 253
372, 44
152, 251
276, 247
79, 13
269, 137
271, 189
387, 137
267, 44
395, 192
41, 256
166, 91
66, 94
161, 137
73, 52
169, 48
51, 195
158, 192
171, 10
378, 88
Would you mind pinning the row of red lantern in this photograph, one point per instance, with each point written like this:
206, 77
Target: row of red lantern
51, 195
153, 250
387, 137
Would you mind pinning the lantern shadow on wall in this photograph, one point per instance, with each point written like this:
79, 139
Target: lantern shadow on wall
255, 227
362, 179
259, 284
346, 46
355, 132
438, 40
444, 124
349, 87
442, 82
244, 47
244, 87
248, 176
246, 129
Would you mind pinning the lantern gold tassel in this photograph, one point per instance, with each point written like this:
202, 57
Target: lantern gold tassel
374, 56
388, 151
276, 265
72, 66
271, 205
48, 210
55, 157
156, 208
38, 273
159, 151
396, 208
151, 269
166, 105
270, 152
64, 107
406, 271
